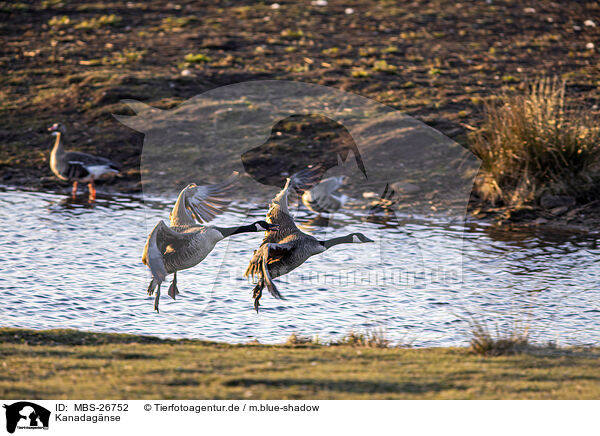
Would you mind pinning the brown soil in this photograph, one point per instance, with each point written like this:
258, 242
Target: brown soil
437, 60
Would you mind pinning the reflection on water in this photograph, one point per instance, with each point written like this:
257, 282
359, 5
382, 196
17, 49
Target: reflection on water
72, 264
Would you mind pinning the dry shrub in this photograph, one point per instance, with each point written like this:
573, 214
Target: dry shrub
371, 339
531, 145
484, 343
296, 339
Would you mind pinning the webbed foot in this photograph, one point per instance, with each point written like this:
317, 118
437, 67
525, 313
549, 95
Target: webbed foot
173, 291
151, 287
256, 294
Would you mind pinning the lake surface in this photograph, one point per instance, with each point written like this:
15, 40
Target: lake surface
424, 281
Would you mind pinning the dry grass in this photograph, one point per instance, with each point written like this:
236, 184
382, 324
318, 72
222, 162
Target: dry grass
533, 144
66, 364
370, 339
512, 342
296, 339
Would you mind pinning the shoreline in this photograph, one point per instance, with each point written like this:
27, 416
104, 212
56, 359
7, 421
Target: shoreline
138, 367
535, 219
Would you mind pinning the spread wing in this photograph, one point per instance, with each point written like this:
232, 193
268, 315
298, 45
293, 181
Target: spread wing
202, 203
295, 185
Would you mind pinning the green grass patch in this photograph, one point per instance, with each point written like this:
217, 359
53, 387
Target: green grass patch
360, 73
74, 364
292, 34
98, 22
383, 66
197, 58
176, 24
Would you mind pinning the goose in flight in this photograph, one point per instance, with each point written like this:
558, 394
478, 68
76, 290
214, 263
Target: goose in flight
288, 247
185, 243
322, 198
77, 167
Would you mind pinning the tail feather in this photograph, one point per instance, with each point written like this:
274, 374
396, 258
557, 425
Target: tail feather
268, 281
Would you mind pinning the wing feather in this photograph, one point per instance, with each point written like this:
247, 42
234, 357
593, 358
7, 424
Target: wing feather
202, 203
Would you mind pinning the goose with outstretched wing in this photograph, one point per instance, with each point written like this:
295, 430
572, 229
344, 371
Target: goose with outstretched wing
286, 248
186, 242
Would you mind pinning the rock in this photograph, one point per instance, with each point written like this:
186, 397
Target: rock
554, 201
405, 188
558, 211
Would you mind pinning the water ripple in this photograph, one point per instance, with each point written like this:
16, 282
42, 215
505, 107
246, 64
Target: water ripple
66, 264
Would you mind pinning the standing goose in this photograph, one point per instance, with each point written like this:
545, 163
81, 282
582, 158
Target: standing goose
75, 166
323, 199
185, 243
287, 248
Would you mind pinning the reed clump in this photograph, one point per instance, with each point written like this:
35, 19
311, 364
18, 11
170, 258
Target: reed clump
533, 145
369, 339
512, 342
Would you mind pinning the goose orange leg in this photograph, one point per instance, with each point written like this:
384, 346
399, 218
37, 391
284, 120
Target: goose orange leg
74, 190
92, 189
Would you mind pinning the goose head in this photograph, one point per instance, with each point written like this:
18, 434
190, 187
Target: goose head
263, 226
57, 128
359, 238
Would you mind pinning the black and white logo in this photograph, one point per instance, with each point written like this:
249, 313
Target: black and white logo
26, 415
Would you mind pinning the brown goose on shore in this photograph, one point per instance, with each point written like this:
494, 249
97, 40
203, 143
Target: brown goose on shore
77, 167
287, 248
184, 243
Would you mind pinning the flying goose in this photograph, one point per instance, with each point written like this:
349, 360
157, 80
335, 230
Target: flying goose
75, 166
322, 197
288, 247
185, 243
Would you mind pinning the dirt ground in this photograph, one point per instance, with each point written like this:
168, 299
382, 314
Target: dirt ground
436, 60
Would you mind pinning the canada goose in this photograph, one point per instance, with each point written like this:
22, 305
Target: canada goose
75, 166
322, 197
185, 243
287, 248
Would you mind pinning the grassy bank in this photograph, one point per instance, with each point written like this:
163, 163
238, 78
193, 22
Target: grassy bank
71, 364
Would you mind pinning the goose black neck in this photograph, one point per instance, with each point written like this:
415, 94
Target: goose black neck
228, 231
335, 241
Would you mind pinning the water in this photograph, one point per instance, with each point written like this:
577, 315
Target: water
66, 264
